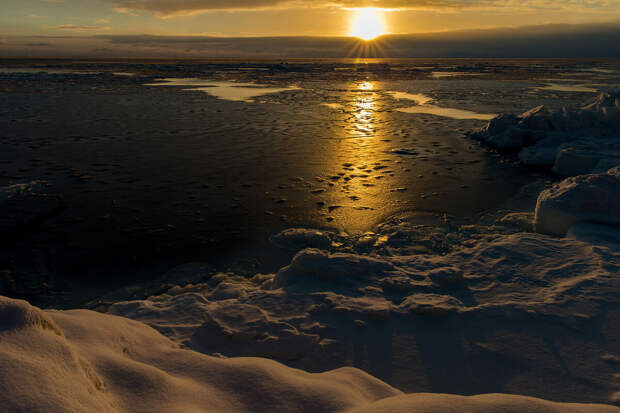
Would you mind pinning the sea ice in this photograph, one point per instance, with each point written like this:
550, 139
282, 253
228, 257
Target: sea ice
424, 106
571, 140
233, 91
559, 87
492, 274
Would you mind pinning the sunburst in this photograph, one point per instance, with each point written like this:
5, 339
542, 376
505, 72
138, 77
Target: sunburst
367, 23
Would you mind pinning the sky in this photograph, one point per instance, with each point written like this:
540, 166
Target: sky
36, 23
234, 18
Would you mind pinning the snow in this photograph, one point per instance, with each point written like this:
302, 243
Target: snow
487, 277
233, 91
496, 403
571, 140
83, 361
591, 198
297, 238
93, 362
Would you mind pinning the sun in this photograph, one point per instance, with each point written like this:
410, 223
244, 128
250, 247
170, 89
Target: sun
367, 23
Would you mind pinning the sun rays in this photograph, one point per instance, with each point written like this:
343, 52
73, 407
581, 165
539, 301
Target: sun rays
367, 26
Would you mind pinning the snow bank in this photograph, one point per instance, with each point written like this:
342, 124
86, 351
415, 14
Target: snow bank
102, 363
591, 198
572, 141
478, 279
91, 362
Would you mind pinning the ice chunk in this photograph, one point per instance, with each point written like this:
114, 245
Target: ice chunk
316, 265
300, 238
572, 139
583, 157
586, 198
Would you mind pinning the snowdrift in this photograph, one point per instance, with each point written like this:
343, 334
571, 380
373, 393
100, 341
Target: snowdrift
572, 141
82, 361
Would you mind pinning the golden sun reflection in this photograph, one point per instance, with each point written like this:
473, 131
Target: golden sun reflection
367, 23
362, 171
363, 110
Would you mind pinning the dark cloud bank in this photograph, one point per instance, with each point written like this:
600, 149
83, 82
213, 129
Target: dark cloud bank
560, 41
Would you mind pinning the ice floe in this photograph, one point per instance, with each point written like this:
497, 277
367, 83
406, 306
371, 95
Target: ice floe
572, 140
424, 106
562, 87
233, 91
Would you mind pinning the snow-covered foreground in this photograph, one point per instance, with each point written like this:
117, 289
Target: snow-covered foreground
83, 361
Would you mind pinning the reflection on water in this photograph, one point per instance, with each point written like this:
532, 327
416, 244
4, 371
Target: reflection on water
359, 155
599, 70
438, 75
31, 70
419, 98
568, 88
367, 95
332, 105
424, 107
241, 92
447, 112
364, 110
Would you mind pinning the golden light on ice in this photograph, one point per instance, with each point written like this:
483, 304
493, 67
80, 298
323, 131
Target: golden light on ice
367, 23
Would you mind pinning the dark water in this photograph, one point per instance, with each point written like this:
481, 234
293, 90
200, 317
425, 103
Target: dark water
132, 179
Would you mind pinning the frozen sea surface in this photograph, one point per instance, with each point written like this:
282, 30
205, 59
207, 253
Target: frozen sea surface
138, 179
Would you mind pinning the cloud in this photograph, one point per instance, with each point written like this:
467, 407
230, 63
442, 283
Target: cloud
33, 16
168, 8
126, 10
40, 44
75, 27
102, 21
547, 41
570, 41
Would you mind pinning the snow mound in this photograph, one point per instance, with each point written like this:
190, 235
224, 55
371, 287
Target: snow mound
110, 364
103, 363
571, 140
317, 265
488, 403
586, 198
17, 315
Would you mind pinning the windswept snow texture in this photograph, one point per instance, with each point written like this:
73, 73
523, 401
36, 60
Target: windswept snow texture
572, 141
487, 309
83, 361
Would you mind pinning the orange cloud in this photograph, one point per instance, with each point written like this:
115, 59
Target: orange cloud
167, 8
